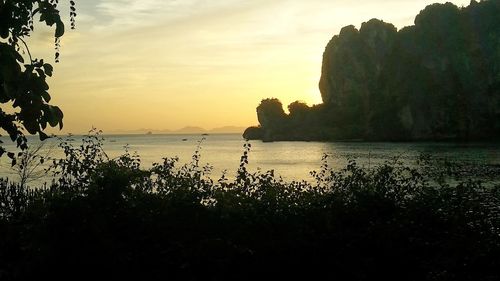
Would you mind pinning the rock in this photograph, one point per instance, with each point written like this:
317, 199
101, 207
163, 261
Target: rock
436, 80
253, 133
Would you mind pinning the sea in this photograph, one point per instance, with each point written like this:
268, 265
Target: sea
289, 160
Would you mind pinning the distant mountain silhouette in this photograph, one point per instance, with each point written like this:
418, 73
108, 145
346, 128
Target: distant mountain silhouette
219, 130
190, 130
184, 130
227, 130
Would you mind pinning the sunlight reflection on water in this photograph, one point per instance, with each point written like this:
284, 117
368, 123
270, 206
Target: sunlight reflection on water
291, 160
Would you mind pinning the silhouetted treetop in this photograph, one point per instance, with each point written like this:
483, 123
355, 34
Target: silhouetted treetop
270, 113
298, 109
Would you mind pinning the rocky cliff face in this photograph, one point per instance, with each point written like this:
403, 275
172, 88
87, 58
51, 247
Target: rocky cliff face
353, 60
436, 80
352, 64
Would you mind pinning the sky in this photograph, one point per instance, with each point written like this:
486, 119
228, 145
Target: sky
167, 64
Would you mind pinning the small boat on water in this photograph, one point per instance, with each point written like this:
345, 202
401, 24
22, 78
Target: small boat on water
184, 139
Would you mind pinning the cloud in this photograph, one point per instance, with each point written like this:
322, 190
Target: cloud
133, 13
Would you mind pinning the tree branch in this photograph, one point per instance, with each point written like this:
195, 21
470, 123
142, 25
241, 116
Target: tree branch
27, 49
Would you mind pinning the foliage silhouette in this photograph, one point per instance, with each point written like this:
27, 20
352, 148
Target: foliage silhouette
23, 84
29, 164
109, 219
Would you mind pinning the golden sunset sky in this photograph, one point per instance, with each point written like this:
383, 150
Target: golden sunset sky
166, 64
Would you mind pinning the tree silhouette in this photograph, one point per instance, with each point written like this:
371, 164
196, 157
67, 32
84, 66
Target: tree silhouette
298, 109
270, 113
24, 96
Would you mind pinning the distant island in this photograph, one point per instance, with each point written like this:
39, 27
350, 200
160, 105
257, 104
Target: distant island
436, 80
184, 130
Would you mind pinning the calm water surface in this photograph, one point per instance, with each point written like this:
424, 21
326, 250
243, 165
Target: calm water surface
291, 160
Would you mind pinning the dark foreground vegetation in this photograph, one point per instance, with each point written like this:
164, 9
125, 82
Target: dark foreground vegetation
438, 79
107, 219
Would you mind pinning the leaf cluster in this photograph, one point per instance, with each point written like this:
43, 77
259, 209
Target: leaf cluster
24, 91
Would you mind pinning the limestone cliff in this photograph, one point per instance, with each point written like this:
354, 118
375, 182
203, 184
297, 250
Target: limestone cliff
436, 80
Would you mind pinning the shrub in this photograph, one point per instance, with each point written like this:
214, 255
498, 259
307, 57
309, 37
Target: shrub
107, 219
